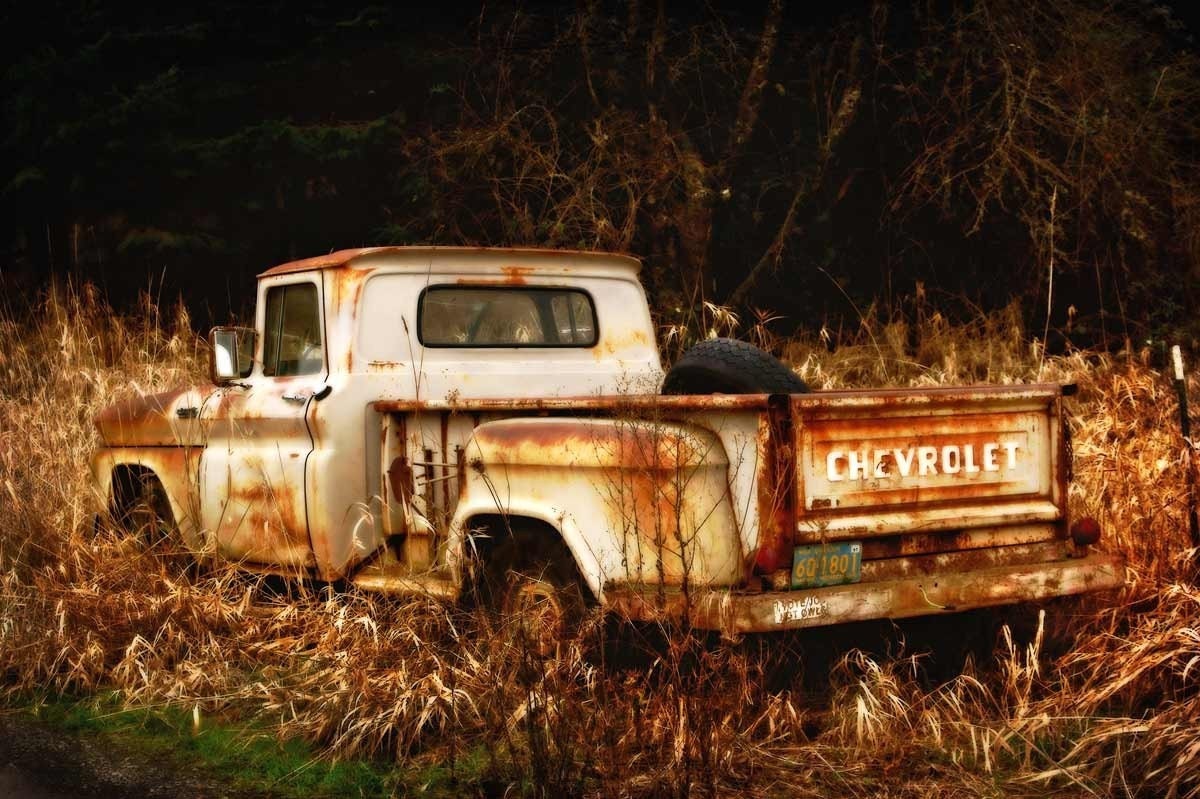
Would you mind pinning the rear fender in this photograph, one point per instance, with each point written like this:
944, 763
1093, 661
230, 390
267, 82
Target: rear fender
635, 502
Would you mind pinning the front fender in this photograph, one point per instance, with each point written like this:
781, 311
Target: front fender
176, 469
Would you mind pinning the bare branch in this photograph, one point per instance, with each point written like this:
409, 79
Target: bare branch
751, 100
774, 253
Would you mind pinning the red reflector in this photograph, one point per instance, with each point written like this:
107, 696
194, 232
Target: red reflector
1085, 531
766, 561
772, 557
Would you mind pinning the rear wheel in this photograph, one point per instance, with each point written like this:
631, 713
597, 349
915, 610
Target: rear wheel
530, 579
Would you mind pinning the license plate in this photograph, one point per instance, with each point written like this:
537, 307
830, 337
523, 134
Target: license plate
818, 565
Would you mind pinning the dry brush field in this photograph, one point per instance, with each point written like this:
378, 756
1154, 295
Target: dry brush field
1100, 699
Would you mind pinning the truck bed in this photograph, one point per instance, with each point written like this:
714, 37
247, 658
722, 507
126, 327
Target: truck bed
948, 498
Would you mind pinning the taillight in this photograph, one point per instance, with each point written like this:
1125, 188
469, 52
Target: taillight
1085, 531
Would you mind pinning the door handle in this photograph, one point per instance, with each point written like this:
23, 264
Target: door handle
299, 397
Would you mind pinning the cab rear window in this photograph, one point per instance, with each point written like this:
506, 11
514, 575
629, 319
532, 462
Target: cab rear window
484, 316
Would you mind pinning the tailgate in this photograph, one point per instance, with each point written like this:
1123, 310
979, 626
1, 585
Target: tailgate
925, 460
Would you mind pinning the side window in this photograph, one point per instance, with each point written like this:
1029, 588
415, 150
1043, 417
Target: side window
500, 317
292, 338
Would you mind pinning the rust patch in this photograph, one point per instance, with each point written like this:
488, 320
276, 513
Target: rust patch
617, 341
460, 466
1063, 466
945, 397
346, 284
140, 409
483, 281
401, 480
346, 290
333, 259
289, 501
623, 403
634, 445
815, 406
902, 545
515, 275
918, 594
965, 560
256, 493
264, 520
150, 419
777, 487
645, 513
347, 257
649, 475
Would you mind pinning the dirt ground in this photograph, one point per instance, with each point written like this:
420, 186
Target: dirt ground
38, 761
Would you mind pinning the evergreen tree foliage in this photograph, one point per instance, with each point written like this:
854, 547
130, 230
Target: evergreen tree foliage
812, 163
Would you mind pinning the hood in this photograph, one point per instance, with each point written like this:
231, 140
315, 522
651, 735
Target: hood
155, 420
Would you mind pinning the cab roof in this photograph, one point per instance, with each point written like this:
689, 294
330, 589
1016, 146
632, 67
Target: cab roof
523, 257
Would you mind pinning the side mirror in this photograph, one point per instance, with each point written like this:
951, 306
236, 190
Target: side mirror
232, 354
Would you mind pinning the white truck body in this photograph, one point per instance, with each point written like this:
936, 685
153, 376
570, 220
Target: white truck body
404, 405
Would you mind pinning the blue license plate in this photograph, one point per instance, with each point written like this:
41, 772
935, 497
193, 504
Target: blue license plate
817, 565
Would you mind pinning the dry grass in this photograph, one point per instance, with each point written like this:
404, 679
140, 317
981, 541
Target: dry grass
1111, 713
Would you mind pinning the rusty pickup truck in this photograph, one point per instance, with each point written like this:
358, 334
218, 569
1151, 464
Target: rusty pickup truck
490, 423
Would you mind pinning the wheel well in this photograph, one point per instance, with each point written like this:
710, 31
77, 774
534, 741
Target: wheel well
130, 483
487, 533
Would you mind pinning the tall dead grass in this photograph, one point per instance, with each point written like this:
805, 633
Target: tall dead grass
421, 682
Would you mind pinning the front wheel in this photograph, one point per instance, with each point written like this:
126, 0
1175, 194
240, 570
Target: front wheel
143, 513
141, 509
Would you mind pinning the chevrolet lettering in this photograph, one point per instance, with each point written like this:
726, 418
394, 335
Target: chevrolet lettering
993, 456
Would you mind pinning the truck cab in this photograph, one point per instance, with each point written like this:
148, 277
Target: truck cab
286, 440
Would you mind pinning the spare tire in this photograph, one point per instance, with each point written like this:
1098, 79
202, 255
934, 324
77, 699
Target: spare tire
729, 366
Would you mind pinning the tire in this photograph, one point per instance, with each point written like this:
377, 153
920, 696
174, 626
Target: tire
142, 511
729, 366
531, 581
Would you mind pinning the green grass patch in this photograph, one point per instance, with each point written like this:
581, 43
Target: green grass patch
247, 756
251, 757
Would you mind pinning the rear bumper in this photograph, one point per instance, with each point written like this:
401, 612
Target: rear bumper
732, 612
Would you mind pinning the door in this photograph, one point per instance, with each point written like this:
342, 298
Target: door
253, 473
